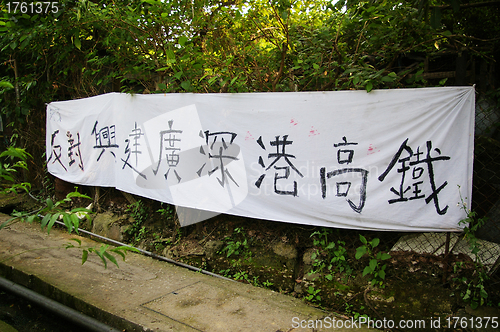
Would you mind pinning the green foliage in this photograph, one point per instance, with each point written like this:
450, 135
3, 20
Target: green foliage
54, 211
471, 224
103, 252
93, 47
51, 212
330, 257
356, 315
168, 212
16, 159
139, 213
237, 244
313, 295
475, 293
375, 267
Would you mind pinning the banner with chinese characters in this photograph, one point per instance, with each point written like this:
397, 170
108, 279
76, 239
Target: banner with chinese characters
394, 160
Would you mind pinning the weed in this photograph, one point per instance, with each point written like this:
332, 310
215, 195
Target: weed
236, 244
267, 284
8, 170
476, 293
312, 295
375, 266
356, 315
331, 256
139, 212
226, 273
241, 275
160, 243
167, 212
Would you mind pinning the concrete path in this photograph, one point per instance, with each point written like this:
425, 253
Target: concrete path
145, 294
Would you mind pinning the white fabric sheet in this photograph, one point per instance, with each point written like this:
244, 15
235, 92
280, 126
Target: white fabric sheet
386, 160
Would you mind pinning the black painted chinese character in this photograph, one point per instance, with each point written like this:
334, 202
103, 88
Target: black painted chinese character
168, 140
219, 150
74, 149
345, 156
413, 159
136, 135
104, 138
56, 151
280, 153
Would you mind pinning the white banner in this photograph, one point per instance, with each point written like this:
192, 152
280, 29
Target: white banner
386, 160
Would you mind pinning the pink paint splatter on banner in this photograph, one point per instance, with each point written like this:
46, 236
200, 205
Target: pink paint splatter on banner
313, 132
371, 149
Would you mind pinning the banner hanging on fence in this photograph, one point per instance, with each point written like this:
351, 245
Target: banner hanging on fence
387, 160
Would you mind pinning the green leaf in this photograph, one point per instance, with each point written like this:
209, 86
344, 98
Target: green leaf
170, 56
183, 40
127, 248
162, 86
186, 85
119, 252
75, 221
102, 258
31, 218
85, 255
49, 203
366, 271
178, 75
330, 245
67, 222
111, 258
52, 221
360, 252
362, 239
385, 256
375, 242
6, 85
381, 274
45, 220
5, 223
77, 43
373, 264
77, 195
369, 86
103, 248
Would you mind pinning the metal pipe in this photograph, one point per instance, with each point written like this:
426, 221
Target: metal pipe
148, 253
144, 252
65, 312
